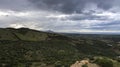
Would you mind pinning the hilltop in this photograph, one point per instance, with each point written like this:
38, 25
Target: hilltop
26, 34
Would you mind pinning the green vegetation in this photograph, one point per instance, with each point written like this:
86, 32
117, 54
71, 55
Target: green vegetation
104, 62
47, 52
25, 47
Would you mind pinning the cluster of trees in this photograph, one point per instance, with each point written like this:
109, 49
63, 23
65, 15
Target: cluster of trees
104, 62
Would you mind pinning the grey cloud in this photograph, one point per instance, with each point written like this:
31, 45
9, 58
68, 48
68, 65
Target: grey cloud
70, 6
86, 17
15, 5
111, 25
58, 20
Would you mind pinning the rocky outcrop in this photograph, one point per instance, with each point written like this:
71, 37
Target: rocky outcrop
83, 62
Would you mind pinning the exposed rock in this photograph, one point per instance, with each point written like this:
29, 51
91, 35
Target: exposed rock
83, 62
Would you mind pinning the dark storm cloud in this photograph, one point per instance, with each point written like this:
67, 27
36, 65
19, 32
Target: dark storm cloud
70, 6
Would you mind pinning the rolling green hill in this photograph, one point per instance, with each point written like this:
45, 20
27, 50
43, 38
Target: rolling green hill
30, 48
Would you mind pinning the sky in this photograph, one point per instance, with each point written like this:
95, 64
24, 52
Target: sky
71, 16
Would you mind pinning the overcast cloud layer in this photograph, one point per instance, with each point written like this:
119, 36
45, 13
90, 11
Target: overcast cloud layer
74, 16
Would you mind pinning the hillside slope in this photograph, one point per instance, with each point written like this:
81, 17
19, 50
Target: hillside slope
27, 47
26, 34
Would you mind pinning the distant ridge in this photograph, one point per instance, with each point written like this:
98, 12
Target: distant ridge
50, 31
26, 34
